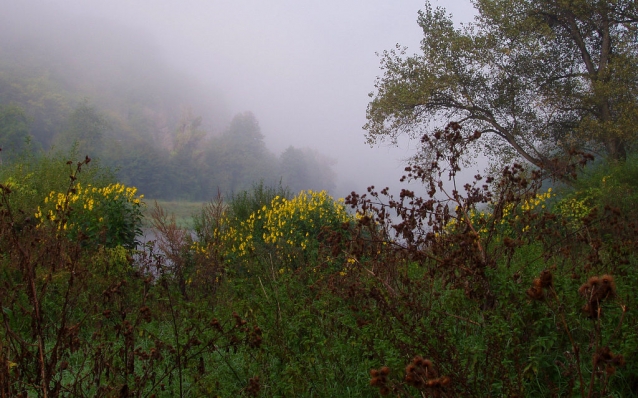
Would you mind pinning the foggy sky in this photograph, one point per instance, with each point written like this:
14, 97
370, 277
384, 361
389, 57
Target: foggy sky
304, 68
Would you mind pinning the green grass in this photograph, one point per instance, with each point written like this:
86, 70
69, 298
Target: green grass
183, 210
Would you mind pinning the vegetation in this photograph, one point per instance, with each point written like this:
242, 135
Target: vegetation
514, 284
503, 288
144, 124
535, 78
182, 210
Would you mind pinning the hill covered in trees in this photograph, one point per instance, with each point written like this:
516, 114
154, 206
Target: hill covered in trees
110, 93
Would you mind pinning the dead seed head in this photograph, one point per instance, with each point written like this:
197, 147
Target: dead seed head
546, 279
535, 293
596, 290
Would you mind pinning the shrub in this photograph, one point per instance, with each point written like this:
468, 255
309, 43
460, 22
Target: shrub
508, 303
290, 229
601, 185
32, 178
109, 215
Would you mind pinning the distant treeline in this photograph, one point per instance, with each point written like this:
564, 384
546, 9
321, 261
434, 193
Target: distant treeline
122, 104
184, 164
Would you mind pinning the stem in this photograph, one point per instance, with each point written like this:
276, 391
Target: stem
468, 222
574, 346
179, 349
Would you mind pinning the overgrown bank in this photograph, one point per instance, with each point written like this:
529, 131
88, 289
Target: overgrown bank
499, 288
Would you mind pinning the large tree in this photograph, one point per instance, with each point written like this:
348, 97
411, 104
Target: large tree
239, 158
535, 77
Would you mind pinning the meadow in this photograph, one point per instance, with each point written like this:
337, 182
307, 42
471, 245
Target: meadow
502, 287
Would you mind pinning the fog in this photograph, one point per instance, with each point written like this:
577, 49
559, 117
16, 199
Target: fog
303, 68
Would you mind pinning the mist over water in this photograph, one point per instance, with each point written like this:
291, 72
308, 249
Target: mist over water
304, 69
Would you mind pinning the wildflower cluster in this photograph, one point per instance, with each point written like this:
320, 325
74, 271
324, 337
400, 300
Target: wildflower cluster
108, 215
238, 239
293, 223
480, 219
577, 206
286, 224
511, 211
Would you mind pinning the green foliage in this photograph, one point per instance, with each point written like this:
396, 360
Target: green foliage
245, 203
515, 301
85, 128
44, 102
437, 298
14, 132
32, 178
537, 79
110, 216
605, 184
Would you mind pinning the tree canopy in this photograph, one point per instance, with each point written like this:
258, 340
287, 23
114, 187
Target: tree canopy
85, 127
535, 78
14, 130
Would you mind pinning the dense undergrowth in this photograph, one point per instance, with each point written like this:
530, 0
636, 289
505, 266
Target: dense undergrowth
502, 287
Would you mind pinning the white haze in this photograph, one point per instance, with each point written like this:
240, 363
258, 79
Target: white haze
304, 68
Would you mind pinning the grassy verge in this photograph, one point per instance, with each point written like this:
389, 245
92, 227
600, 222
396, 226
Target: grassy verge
182, 210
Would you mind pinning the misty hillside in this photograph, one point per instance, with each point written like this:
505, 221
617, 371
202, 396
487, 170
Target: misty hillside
106, 89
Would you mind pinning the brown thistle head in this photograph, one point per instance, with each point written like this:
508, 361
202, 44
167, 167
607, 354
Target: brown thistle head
589, 287
380, 379
604, 359
546, 279
596, 290
420, 373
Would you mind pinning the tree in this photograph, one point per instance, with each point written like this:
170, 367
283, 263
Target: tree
239, 158
43, 101
85, 127
186, 158
535, 77
14, 131
293, 169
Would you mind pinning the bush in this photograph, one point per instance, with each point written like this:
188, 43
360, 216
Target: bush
602, 185
81, 199
290, 229
509, 303
110, 216
32, 178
